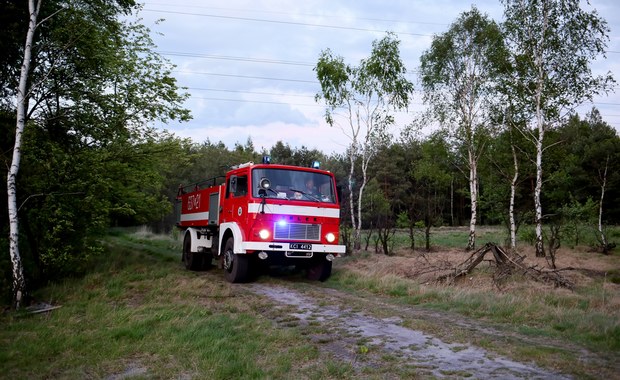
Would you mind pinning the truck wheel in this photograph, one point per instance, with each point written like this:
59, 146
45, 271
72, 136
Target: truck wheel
236, 268
319, 270
192, 260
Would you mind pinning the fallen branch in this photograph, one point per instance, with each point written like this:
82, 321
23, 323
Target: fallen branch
466, 266
507, 264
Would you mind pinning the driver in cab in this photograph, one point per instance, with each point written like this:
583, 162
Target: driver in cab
308, 189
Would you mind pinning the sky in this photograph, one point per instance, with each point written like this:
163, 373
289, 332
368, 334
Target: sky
248, 65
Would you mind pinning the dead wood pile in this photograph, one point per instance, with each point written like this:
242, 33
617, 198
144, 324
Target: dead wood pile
506, 264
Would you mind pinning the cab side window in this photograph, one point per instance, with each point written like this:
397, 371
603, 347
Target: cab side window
237, 186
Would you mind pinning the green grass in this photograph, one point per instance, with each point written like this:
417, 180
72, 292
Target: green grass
138, 313
579, 317
448, 237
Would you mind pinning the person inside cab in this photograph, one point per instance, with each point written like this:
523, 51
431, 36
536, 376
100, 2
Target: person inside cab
308, 189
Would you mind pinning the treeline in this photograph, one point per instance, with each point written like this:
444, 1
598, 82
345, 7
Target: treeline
419, 183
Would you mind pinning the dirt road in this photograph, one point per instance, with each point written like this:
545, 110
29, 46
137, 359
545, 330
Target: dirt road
369, 332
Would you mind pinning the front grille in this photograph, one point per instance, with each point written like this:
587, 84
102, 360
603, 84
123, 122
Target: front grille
297, 231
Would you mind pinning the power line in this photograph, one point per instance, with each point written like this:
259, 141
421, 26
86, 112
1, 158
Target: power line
607, 104
249, 92
246, 76
302, 23
257, 101
392, 21
233, 58
302, 104
312, 96
252, 60
282, 22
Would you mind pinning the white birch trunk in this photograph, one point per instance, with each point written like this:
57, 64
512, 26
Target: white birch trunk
365, 162
357, 241
540, 120
511, 210
600, 207
451, 201
356, 233
540, 247
473, 189
19, 283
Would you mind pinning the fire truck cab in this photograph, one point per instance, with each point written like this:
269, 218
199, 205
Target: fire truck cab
261, 215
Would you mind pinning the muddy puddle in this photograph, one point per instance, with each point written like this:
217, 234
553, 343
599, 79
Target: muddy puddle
432, 356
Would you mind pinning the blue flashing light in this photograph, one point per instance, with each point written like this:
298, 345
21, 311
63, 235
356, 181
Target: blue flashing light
266, 159
281, 222
316, 164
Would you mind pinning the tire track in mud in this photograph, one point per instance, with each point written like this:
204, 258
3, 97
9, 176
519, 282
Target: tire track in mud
428, 354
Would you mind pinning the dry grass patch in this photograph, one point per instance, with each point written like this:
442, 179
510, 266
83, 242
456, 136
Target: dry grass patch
585, 269
588, 315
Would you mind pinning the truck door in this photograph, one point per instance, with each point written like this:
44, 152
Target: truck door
236, 200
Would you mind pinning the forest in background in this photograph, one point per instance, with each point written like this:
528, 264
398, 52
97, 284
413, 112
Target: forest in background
421, 182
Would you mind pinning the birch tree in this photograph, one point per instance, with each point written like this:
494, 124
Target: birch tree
552, 44
19, 283
603, 181
367, 93
603, 156
508, 160
458, 75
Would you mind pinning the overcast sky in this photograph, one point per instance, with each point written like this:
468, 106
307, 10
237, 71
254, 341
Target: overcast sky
248, 65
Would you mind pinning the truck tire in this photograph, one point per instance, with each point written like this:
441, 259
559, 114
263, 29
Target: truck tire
192, 260
236, 267
319, 270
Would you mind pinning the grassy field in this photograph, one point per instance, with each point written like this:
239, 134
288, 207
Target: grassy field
589, 313
140, 314
587, 316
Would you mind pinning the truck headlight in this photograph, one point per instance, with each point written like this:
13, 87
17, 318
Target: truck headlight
263, 234
330, 237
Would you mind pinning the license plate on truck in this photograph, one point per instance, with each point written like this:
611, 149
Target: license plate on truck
300, 246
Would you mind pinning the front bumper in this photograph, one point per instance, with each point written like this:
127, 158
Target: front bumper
280, 247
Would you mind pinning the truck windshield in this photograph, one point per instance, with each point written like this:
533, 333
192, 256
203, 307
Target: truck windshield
293, 184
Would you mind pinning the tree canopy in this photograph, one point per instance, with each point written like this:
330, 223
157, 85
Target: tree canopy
460, 75
369, 93
552, 45
89, 158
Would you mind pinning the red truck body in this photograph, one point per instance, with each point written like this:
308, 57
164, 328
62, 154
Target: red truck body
258, 215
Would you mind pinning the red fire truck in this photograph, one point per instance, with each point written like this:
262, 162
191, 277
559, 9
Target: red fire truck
261, 215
